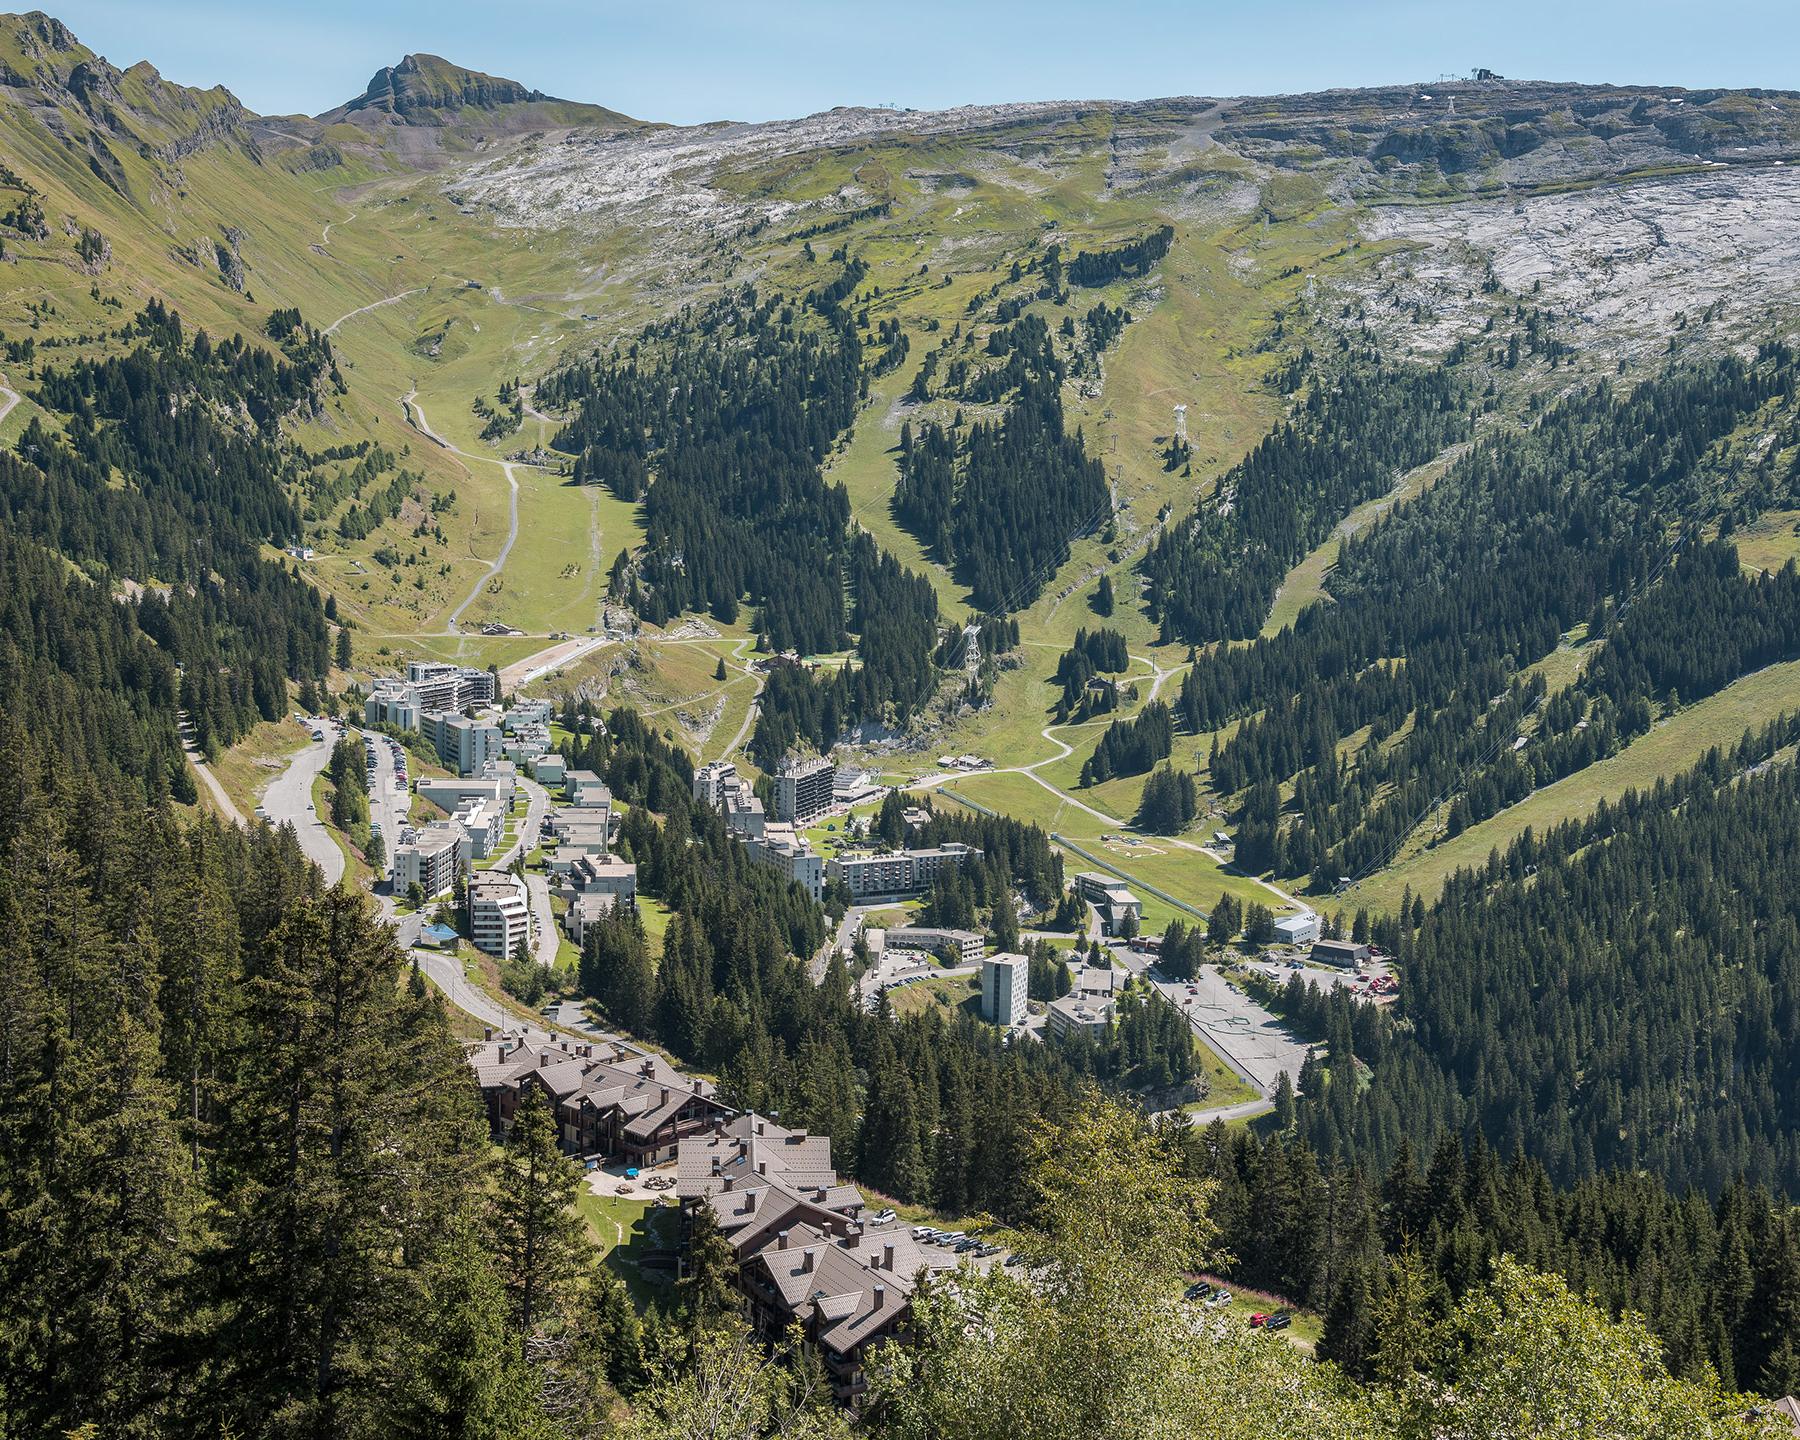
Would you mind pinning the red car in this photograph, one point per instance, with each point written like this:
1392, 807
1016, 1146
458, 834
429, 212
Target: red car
1257, 1320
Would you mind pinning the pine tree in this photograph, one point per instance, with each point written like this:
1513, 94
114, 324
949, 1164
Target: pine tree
1284, 1102
538, 1235
709, 1281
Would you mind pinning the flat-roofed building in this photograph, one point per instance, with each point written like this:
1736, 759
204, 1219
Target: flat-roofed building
791, 853
1004, 980
1297, 929
585, 788
550, 770
465, 746
1107, 894
499, 915
965, 945
1346, 953
449, 791
803, 788
896, 874
431, 858
1078, 1014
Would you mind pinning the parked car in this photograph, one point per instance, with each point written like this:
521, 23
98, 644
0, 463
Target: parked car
965, 1245
1258, 1320
1280, 1320
882, 1217
1196, 1291
1219, 1299
1014, 1260
924, 1232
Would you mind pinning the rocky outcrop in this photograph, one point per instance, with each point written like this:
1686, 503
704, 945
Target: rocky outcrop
423, 89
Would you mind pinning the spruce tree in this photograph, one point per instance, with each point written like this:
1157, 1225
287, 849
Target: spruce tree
538, 1235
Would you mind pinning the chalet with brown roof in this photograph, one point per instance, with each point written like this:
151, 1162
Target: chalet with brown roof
804, 1255
608, 1099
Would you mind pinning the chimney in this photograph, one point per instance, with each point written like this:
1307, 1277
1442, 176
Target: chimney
887, 1256
880, 1295
820, 1196
762, 1167
750, 1201
781, 1240
665, 1095
806, 1262
488, 1033
718, 1128
543, 1059
728, 1180
715, 1169
759, 1127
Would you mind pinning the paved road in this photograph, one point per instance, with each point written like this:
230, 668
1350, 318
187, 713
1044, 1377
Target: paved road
446, 973
197, 763
288, 801
389, 806
546, 937
544, 662
530, 826
8, 398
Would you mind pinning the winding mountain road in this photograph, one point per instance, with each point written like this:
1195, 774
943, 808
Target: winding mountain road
374, 305
416, 414
8, 398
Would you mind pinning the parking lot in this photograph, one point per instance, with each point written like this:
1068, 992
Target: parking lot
1257, 1044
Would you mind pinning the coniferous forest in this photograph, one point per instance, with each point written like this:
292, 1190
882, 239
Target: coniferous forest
879, 395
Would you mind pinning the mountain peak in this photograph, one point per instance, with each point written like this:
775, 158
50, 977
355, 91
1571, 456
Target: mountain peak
424, 88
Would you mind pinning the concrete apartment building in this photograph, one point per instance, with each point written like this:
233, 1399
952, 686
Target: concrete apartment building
550, 770
966, 945
465, 746
593, 887
427, 686
1078, 1014
499, 913
805, 1257
431, 858
1004, 979
804, 788
896, 874
791, 853
780, 844
585, 788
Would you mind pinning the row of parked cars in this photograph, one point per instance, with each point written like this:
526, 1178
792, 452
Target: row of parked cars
955, 1240
1219, 1298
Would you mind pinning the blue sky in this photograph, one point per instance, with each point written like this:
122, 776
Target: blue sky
689, 60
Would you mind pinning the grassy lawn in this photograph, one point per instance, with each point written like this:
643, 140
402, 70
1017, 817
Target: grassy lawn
626, 1230
1224, 1086
949, 993
1186, 874
1673, 745
246, 769
1772, 541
